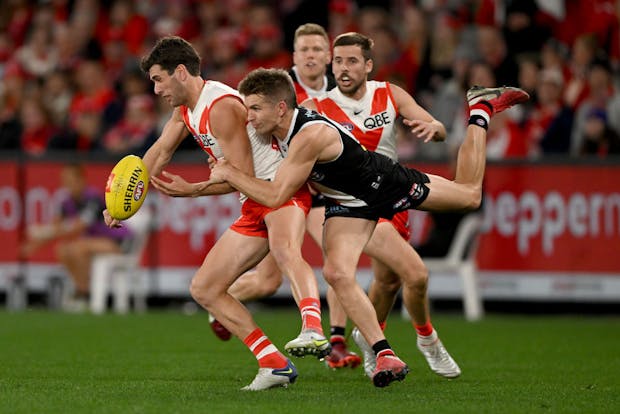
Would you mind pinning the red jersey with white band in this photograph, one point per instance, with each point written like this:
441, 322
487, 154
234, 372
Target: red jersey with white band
265, 154
371, 119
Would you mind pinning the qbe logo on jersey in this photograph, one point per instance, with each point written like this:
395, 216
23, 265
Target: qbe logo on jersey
377, 120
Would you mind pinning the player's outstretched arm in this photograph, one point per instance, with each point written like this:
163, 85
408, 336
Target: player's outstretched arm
422, 123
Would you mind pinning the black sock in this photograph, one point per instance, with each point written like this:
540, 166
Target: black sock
337, 330
380, 346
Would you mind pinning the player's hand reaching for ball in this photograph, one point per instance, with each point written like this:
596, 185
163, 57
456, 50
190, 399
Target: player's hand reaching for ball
176, 187
109, 221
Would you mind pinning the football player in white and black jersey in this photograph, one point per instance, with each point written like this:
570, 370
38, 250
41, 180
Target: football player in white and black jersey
370, 110
360, 186
311, 79
216, 117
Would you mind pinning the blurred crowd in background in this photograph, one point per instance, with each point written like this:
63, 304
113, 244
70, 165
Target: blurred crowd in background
70, 77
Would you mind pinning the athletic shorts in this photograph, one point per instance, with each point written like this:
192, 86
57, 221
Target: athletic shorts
412, 189
252, 219
400, 221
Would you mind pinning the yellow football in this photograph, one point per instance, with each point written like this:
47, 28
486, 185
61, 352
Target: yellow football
126, 188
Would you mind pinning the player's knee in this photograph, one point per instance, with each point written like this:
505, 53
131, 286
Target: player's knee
390, 286
269, 284
334, 275
284, 256
201, 293
417, 281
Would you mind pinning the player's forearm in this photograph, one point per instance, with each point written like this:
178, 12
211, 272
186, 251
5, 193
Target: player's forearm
205, 189
156, 158
440, 134
261, 191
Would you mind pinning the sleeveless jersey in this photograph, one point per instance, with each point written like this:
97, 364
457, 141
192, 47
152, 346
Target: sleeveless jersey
371, 119
304, 92
357, 177
265, 152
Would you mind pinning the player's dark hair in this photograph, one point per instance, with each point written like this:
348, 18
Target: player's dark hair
170, 52
274, 85
356, 39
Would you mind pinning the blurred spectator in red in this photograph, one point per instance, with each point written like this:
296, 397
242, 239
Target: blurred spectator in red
600, 91
177, 20
596, 17
19, 13
11, 95
136, 131
492, 49
371, 18
126, 26
84, 131
57, 96
223, 61
93, 93
36, 128
528, 76
87, 19
549, 126
522, 30
341, 17
211, 15
266, 49
66, 46
582, 55
449, 100
38, 56
553, 55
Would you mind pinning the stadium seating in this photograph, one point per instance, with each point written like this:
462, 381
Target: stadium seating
120, 273
461, 260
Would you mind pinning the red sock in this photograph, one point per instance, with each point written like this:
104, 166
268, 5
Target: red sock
311, 314
424, 330
265, 352
382, 325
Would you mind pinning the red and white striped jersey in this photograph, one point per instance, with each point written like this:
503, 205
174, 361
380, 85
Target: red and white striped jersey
304, 92
265, 152
371, 119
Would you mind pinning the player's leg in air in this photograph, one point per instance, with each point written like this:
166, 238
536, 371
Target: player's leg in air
395, 262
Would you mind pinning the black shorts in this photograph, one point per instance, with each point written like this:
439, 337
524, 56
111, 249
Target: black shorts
414, 192
318, 200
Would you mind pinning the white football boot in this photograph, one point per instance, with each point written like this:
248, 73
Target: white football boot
273, 377
438, 358
370, 359
309, 342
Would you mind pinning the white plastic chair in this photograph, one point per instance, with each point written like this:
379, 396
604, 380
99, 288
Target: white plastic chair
461, 260
121, 271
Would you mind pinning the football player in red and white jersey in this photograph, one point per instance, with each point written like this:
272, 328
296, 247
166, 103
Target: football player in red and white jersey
216, 117
369, 109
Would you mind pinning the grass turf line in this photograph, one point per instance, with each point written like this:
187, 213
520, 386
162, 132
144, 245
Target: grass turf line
171, 363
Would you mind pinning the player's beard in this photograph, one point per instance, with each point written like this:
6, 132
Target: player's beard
352, 89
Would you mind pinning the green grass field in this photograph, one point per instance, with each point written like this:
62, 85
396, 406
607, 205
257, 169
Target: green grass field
165, 362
